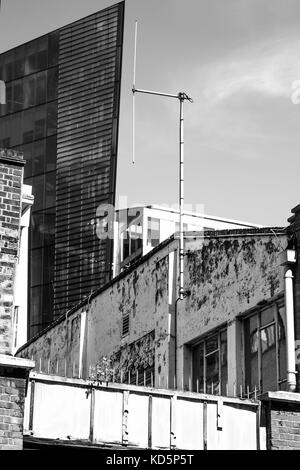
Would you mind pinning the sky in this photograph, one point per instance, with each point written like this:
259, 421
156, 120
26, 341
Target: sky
240, 62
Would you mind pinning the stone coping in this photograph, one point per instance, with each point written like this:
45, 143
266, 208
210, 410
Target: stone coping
16, 362
280, 396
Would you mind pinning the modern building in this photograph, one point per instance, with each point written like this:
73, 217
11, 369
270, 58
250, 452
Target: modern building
138, 230
62, 112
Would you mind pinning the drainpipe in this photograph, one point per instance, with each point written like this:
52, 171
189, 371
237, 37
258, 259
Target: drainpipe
290, 330
288, 258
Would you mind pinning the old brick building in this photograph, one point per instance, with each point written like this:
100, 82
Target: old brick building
13, 371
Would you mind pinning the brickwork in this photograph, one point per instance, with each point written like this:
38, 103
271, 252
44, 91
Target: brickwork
282, 411
12, 395
13, 372
285, 430
11, 177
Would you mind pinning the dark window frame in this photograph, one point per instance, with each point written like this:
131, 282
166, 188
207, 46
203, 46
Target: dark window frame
275, 305
210, 387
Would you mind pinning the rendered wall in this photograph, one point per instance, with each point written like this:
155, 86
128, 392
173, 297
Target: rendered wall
227, 274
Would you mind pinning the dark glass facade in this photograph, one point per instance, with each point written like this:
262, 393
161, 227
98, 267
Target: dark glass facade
62, 112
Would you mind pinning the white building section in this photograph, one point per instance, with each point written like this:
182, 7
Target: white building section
21, 282
140, 229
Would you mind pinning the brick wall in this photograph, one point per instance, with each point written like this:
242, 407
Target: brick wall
12, 395
13, 371
282, 412
11, 177
285, 430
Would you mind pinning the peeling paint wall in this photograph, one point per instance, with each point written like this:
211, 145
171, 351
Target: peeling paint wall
57, 350
226, 273
143, 294
228, 276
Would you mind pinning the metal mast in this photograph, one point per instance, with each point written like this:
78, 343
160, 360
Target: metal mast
181, 96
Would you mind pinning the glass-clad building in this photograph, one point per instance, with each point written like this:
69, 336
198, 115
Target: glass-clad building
62, 112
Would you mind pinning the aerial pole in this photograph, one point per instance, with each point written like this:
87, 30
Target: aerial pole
181, 97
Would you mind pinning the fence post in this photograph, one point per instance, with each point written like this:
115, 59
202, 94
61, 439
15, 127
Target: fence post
125, 418
31, 409
205, 425
92, 414
150, 422
173, 403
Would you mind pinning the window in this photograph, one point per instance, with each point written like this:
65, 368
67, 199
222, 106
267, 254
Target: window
131, 241
209, 358
265, 354
153, 232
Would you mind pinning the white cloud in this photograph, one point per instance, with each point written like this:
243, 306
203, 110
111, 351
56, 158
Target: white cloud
270, 69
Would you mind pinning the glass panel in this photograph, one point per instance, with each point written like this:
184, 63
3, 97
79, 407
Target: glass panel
28, 153
212, 344
36, 267
40, 122
212, 373
198, 368
28, 125
125, 245
30, 58
52, 82
19, 61
41, 88
39, 157
281, 345
35, 305
268, 359
48, 264
223, 354
53, 39
38, 192
51, 153
47, 303
251, 353
8, 106
267, 316
29, 91
50, 180
15, 129
37, 229
8, 66
42, 53
51, 118
17, 96
153, 233
49, 227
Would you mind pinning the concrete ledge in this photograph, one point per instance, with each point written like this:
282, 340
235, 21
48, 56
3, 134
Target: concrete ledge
290, 397
16, 362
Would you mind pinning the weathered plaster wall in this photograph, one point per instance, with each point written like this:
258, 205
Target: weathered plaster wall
226, 273
226, 277
57, 350
143, 293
